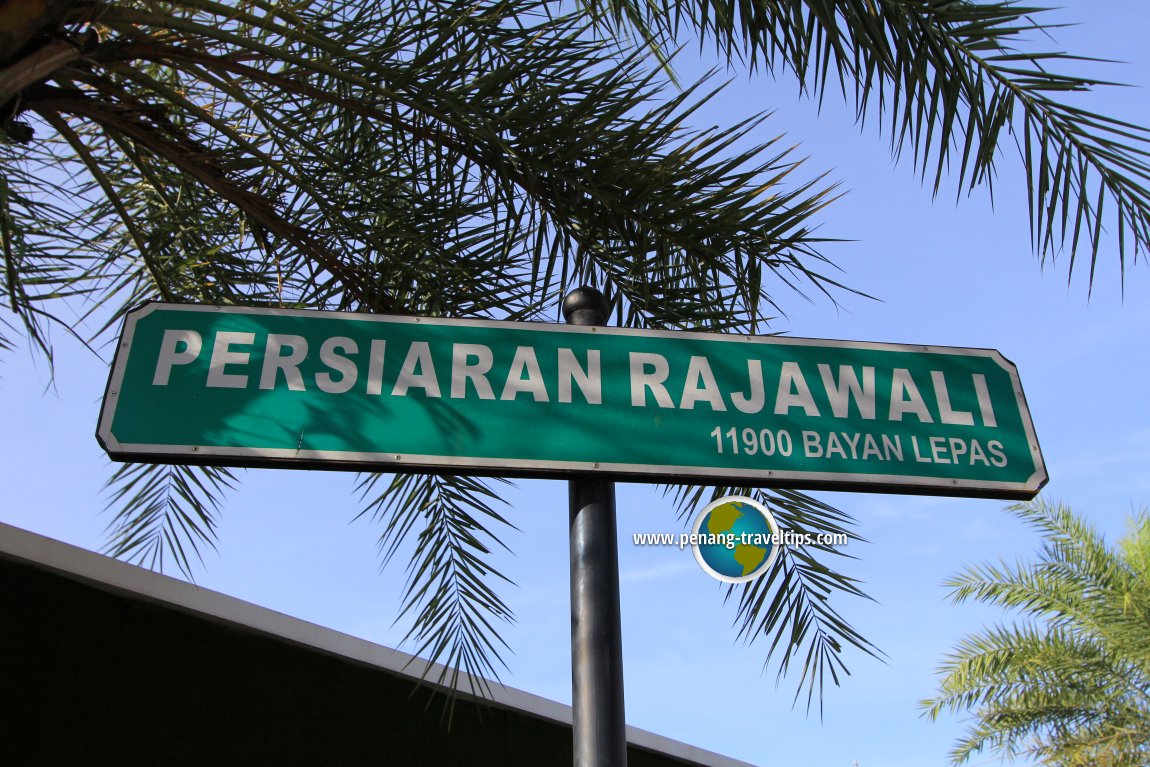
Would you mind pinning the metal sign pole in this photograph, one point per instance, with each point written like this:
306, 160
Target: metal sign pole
598, 721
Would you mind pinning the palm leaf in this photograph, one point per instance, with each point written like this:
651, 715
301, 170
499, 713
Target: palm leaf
1068, 684
791, 608
165, 513
955, 83
450, 596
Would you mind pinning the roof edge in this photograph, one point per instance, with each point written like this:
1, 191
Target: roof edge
130, 580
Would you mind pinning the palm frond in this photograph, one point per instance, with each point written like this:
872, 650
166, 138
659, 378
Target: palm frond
450, 596
790, 608
1071, 684
348, 164
955, 83
165, 513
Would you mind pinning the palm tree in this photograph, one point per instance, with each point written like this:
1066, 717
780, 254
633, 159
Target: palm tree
1070, 684
479, 159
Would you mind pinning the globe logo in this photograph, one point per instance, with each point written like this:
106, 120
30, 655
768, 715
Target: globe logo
735, 539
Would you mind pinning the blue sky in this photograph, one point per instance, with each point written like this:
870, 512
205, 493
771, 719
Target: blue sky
947, 274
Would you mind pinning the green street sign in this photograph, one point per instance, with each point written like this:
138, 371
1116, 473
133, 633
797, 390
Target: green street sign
259, 387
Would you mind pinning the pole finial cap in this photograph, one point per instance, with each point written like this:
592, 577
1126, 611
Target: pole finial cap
586, 306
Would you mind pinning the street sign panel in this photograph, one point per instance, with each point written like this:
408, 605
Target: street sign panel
247, 386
